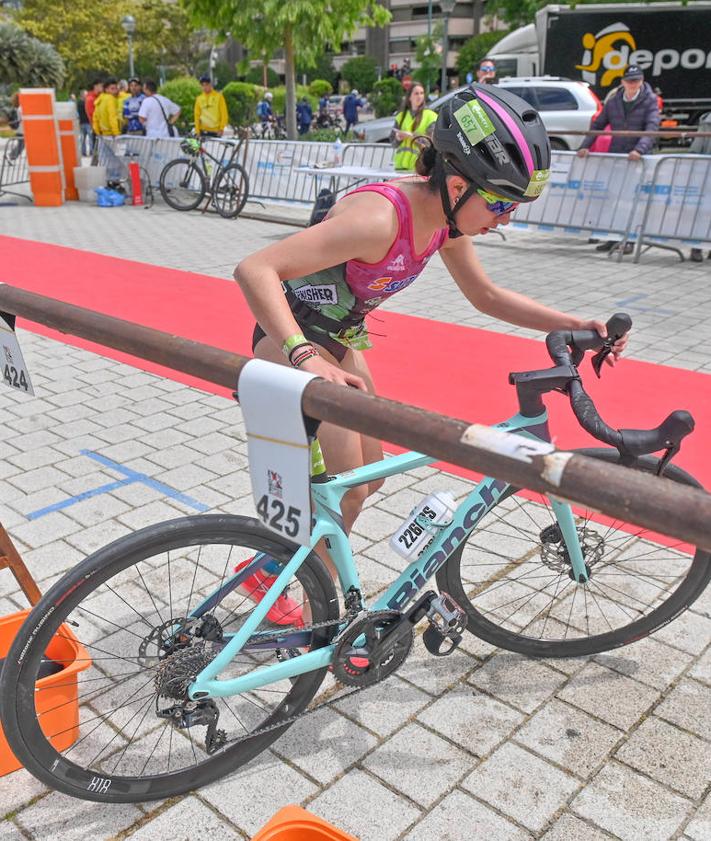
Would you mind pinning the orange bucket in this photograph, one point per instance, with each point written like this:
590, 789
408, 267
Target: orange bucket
292, 823
57, 703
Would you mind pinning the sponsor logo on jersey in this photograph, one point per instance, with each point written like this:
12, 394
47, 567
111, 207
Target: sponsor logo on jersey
325, 294
387, 285
397, 264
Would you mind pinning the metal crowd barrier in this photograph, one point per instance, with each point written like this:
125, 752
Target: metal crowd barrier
656, 201
672, 508
677, 204
13, 167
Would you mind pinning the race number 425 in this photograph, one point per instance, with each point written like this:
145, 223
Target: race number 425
278, 516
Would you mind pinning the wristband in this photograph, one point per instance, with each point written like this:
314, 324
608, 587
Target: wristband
300, 358
298, 348
292, 342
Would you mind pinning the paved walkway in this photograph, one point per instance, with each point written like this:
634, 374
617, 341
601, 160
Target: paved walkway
481, 744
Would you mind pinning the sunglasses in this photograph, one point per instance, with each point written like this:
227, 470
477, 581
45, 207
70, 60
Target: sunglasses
497, 204
487, 67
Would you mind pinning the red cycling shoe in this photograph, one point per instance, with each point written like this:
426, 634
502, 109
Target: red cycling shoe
284, 611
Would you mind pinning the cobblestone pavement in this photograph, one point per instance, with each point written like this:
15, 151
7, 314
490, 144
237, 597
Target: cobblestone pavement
480, 744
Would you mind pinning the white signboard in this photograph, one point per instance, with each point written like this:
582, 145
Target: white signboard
278, 447
13, 371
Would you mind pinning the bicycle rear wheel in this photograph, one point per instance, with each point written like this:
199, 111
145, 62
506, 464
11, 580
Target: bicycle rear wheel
182, 184
130, 606
231, 191
513, 576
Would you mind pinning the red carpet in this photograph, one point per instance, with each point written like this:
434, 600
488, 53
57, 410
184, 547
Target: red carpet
457, 371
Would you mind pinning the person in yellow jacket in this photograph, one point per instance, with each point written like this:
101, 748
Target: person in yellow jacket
105, 120
413, 121
210, 110
123, 95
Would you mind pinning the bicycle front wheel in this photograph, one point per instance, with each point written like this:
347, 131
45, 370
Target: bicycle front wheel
513, 576
182, 184
132, 625
231, 191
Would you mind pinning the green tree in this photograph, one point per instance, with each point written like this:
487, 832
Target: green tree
387, 96
89, 37
361, 73
255, 76
241, 98
474, 49
299, 27
26, 61
429, 57
322, 68
183, 91
320, 87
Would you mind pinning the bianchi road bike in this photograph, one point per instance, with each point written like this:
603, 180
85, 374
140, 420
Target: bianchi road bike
180, 677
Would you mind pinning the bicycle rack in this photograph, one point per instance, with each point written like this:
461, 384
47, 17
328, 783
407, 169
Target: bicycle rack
10, 559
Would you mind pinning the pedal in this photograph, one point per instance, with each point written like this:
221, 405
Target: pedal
448, 621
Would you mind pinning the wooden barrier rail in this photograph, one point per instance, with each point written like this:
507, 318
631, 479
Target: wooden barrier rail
655, 503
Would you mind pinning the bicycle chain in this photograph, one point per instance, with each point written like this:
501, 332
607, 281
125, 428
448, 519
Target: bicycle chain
287, 722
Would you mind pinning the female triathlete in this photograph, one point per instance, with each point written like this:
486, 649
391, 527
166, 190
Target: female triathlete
310, 292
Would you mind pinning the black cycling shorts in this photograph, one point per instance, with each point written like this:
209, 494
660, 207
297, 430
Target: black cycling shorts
335, 348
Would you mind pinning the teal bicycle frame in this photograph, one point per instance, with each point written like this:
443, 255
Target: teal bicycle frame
327, 498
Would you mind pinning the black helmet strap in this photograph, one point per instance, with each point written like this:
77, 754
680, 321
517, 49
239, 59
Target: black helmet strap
449, 211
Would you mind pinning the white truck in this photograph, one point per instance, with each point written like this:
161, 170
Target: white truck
671, 42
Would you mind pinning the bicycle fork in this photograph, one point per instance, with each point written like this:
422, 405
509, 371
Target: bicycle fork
571, 539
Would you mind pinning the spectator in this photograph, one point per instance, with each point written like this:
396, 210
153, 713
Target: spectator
132, 106
157, 113
15, 123
701, 146
304, 115
412, 123
86, 141
323, 120
264, 111
486, 74
210, 110
351, 104
123, 95
105, 121
632, 107
96, 89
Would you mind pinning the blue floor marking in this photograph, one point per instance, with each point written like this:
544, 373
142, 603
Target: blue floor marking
132, 476
631, 304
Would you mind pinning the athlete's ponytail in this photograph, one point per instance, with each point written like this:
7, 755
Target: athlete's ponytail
430, 164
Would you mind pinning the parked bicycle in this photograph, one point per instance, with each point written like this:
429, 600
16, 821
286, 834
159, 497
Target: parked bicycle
162, 612
186, 181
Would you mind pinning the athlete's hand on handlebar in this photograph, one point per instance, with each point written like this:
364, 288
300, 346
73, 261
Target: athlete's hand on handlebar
617, 348
332, 373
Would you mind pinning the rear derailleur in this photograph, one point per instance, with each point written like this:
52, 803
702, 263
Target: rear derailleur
196, 714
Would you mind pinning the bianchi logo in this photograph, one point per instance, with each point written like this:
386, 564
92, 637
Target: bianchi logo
608, 52
397, 264
463, 143
325, 294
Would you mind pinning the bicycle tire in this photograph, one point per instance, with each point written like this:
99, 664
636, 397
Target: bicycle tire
182, 184
231, 191
488, 604
84, 595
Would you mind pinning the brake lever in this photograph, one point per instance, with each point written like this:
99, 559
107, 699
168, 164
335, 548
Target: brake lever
598, 359
669, 454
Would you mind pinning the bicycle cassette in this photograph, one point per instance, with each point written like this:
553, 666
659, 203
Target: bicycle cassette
372, 647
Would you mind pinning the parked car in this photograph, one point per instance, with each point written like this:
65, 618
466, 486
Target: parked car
564, 106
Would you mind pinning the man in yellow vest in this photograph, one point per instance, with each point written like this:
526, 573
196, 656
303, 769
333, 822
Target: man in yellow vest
105, 120
210, 110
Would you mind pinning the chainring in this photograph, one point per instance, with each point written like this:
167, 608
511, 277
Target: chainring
353, 661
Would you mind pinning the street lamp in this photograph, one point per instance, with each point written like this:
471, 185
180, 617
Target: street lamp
129, 27
447, 7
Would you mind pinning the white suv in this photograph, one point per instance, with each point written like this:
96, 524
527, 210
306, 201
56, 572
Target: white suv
564, 106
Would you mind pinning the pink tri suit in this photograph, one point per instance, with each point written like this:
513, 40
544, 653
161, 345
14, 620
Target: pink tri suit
330, 305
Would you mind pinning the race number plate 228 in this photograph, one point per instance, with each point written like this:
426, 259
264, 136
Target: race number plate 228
13, 371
